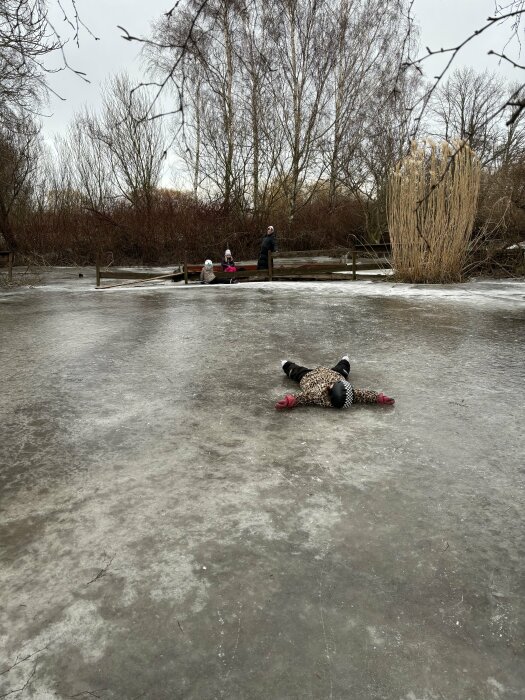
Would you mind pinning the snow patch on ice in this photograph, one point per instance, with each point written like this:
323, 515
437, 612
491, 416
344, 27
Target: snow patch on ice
478, 291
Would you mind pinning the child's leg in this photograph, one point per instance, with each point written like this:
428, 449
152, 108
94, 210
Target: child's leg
295, 372
342, 367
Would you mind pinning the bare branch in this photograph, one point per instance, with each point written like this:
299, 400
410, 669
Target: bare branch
491, 22
27, 38
506, 58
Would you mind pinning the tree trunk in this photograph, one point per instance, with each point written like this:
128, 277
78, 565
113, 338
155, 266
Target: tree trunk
228, 118
6, 230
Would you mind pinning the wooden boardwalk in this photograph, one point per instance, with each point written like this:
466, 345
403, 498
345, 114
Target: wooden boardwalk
315, 265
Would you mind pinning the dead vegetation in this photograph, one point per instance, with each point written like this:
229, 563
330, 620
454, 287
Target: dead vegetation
432, 204
175, 227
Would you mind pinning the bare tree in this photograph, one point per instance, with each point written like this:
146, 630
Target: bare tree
220, 67
209, 76
81, 165
262, 128
511, 14
19, 151
385, 140
134, 147
465, 107
302, 66
506, 13
366, 89
27, 37
511, 150
180, 73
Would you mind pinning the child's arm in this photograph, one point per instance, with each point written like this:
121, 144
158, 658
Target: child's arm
369, 396
308, 397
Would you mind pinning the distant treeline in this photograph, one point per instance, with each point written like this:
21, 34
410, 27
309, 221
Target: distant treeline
285, 113
176, 226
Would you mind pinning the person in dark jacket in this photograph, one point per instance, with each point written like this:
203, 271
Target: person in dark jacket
268, 243
327, 387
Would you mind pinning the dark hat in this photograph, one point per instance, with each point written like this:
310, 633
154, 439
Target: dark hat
341, 394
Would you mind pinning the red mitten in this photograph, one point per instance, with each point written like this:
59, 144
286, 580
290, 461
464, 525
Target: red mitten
386, 400
289, 401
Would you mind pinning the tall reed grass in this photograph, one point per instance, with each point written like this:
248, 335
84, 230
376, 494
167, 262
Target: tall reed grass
432, 202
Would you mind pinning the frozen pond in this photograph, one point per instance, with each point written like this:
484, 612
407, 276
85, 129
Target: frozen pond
165, 533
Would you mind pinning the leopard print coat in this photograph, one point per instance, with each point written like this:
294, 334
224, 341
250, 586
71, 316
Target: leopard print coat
316, 384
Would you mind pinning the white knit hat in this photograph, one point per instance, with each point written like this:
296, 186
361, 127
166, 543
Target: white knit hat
208, 263
227, 253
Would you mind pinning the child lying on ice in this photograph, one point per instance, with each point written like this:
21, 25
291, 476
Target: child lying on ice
327, 387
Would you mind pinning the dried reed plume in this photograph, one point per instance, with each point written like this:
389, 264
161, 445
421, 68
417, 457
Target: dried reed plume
432, 199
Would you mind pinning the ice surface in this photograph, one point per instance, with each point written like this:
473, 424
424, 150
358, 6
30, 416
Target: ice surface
166, 533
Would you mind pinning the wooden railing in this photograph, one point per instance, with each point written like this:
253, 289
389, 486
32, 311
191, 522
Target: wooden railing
138, 275
339, 261
325, 264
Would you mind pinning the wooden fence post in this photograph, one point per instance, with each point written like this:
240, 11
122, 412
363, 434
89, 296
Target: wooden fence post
98, 270
185, 268
354, 265
10, 262
270, 265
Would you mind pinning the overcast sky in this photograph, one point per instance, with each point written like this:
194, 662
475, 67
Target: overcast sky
443, 23
446, 23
